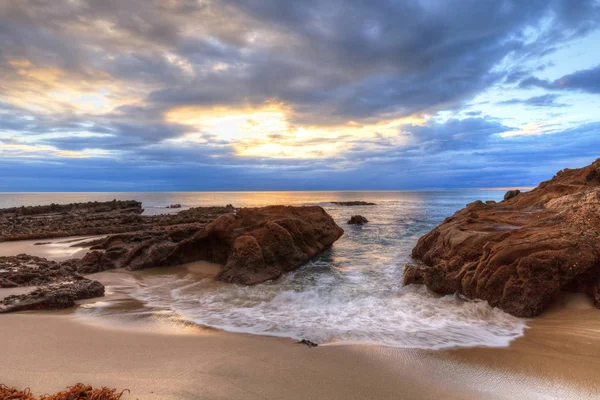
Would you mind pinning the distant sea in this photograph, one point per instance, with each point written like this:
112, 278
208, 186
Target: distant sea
351, 294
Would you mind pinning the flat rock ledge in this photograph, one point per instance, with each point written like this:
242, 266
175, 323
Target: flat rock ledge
353, 203
97, 218
518, 254
52, 285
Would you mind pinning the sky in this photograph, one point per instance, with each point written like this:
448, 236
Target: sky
184, 95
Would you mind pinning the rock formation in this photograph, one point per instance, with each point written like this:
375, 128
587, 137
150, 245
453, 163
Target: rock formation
519, 254
54, 296
58, 285
357, 220
254, 244
511, 193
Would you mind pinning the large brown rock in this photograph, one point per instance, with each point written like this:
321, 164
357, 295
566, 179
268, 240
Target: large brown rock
518, 254
258, 244
253, 245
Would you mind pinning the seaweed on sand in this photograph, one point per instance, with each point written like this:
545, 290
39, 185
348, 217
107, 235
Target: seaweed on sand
75, 392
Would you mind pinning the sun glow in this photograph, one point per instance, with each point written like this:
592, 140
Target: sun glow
266, 131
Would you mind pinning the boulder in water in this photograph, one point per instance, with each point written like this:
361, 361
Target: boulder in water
353, 203
357, 220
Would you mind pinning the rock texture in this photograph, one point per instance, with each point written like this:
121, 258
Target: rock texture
53, 297
511, 193
96, 218
254, 244
26, 270
58, 285
357, 220
519, 254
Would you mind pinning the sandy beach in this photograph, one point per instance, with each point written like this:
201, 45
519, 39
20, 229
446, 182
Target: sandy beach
557, 358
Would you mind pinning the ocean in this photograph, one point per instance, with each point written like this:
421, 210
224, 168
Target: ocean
352, 293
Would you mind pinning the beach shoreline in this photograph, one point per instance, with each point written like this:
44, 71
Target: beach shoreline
557, 357
159, 355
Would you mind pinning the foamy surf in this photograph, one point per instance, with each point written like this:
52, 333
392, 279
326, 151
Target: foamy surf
328, 312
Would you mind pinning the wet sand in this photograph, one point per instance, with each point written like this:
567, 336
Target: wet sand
161, 357
559, 357
57, 249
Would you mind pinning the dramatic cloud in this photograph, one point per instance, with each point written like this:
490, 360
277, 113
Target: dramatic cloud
271, 94
586, 81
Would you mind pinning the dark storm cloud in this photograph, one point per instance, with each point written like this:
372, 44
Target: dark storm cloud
329, 61
587, 80
332, 60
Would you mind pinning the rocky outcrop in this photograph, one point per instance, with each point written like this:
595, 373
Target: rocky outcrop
86, 208
518, 254
54, 296
94, 218
277, 239
53, 285
357, 220
26, 270
353, 203
254, 244
511, 193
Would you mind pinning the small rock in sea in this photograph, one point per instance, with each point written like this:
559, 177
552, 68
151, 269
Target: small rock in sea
357, 220
353, 203
175, 206
511, 193
308, 343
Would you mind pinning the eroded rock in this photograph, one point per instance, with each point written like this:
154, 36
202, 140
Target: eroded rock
518, 254
511, 193
253, 245
54, 296
53, 285
26, 270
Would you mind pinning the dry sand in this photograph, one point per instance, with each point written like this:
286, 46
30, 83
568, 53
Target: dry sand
559, 357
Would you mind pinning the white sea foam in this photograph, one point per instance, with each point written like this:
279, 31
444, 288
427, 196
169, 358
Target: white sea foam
330, 312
